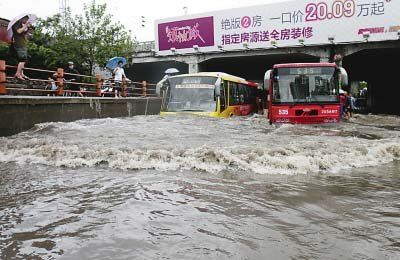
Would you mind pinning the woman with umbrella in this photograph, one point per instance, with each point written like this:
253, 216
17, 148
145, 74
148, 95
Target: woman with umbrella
116, 64
20, 27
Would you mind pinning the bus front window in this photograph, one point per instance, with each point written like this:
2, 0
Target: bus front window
192, 93
306, 85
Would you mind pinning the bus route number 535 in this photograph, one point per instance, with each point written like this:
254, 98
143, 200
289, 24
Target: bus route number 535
283, 112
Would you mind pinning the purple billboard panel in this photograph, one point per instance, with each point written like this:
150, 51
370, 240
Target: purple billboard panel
184, 34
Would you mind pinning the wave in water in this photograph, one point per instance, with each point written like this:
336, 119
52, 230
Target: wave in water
282, 150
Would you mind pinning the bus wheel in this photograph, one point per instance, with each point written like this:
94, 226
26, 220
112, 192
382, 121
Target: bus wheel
270, 122
231, 115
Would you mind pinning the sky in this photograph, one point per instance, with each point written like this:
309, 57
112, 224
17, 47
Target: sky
127, 12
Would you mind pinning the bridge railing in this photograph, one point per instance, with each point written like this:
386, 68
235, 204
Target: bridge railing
55, 84
145, 46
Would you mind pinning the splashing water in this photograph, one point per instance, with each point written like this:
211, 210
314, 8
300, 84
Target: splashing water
186, 187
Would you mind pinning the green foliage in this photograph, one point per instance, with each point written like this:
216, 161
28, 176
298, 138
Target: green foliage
3, 51
88, 39
363, 84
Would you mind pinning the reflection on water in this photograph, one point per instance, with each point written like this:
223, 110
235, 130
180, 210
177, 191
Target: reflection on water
199, 188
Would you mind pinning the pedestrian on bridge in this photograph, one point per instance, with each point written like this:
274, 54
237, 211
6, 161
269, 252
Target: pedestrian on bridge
119, 75
72, 79
21, 31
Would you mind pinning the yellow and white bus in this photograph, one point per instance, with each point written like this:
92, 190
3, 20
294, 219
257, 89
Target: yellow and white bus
212, 94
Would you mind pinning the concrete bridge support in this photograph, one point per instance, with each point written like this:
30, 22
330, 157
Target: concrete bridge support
193, 67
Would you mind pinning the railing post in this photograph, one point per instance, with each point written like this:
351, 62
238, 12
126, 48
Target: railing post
98, 86
144, 88
124, 87
60, 81
3, 78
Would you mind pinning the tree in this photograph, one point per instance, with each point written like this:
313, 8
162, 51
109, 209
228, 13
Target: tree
99, 38
88, 39
3, 51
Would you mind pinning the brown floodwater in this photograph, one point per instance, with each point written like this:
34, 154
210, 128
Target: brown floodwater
201, 188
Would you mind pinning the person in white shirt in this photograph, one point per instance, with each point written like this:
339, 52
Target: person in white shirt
119, 74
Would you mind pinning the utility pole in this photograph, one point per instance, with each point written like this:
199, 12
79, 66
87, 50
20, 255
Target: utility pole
63, 7
63, 11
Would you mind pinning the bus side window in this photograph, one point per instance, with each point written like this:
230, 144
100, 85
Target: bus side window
252, 95
276, 91
241, 93
223, 95
233, 94
227, 93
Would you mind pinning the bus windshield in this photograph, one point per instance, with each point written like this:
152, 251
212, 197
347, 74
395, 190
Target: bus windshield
191, 93
306, 85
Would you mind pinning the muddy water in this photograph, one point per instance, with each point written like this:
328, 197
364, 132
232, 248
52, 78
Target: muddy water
201, 188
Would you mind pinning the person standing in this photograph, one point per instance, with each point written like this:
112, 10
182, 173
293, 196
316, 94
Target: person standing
71, 70
342, 100
349, 105
20, 44
72, 78
353, 106
119, 75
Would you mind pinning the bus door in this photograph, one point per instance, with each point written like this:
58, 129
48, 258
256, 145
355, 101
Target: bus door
222, 96
227, 93
233, 94
244, 99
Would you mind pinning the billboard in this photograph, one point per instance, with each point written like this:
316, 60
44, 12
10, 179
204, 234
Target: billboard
184, 34
285, 24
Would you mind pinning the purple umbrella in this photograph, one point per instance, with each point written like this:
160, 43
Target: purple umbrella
31, 19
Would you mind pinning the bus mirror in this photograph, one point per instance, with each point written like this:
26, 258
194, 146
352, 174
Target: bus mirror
344, 78
160, 87
165, 84
268, 75
218, 87
267, 78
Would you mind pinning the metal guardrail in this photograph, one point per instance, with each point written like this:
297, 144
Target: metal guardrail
41, 86
148, 46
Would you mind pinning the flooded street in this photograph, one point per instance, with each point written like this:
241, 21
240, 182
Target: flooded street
187, 187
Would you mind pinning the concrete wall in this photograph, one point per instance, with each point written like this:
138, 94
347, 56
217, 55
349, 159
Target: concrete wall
20, 113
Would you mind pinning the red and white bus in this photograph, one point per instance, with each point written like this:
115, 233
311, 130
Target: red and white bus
305, 93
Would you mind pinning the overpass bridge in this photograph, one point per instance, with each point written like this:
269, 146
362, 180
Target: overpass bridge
372, 62
248, 41
252, 63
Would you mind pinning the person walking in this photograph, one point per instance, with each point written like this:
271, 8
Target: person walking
21, 31
349, 105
